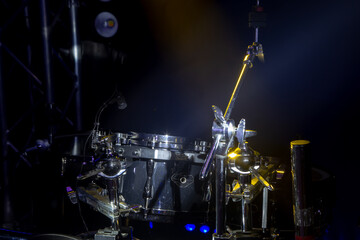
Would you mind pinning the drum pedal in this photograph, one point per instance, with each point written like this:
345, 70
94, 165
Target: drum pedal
110, 234
106, 234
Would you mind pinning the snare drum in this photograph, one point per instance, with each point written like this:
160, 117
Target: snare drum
162, 174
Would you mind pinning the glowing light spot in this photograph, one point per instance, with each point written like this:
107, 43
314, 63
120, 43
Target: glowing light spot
151, 225
110, 23
232, 155
204, 229
299, 142
190, 227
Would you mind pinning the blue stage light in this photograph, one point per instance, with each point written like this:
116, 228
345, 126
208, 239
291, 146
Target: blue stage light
151, 225
204, 229
190, 227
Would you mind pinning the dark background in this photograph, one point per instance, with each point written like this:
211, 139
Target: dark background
181, 57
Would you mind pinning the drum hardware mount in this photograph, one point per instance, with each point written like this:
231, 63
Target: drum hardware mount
108, 201
148, 188
110, 234
94, 197
243, 160
155, 150
247, 192
112, 207
255, 171
119, 155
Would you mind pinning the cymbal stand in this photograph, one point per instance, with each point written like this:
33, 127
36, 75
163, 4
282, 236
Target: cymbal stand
223, 132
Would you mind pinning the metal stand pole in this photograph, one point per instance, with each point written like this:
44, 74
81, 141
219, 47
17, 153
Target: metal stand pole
7, 205
265, 209
112, 185
246, 223
220, 195
148, 188
246, 212
76, 54
247, 63
45, 33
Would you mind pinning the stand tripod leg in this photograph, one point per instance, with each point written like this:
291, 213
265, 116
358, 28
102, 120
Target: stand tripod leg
265, 209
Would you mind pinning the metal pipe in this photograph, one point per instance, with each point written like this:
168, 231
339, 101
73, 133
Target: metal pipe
209, 158
265, 208
47, 54
112, 187
27, 70
246, 213
148, 188
246, 217
237, 88
247, 63
45, 33
30, 80
7, 204
302, 196
3, 125
220, 194
76, 54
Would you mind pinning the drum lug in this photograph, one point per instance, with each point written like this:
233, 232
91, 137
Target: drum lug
182, 180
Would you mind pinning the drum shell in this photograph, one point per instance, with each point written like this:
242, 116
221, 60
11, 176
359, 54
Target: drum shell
176, 187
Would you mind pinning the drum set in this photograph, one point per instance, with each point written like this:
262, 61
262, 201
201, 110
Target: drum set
162, 178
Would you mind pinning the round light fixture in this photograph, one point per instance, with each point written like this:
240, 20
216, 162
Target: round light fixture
106, 24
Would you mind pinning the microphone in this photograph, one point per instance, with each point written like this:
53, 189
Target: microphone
120, 100
40, 144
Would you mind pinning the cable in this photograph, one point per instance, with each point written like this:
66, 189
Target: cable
76, 185
95, 129
54, 237
92, 136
